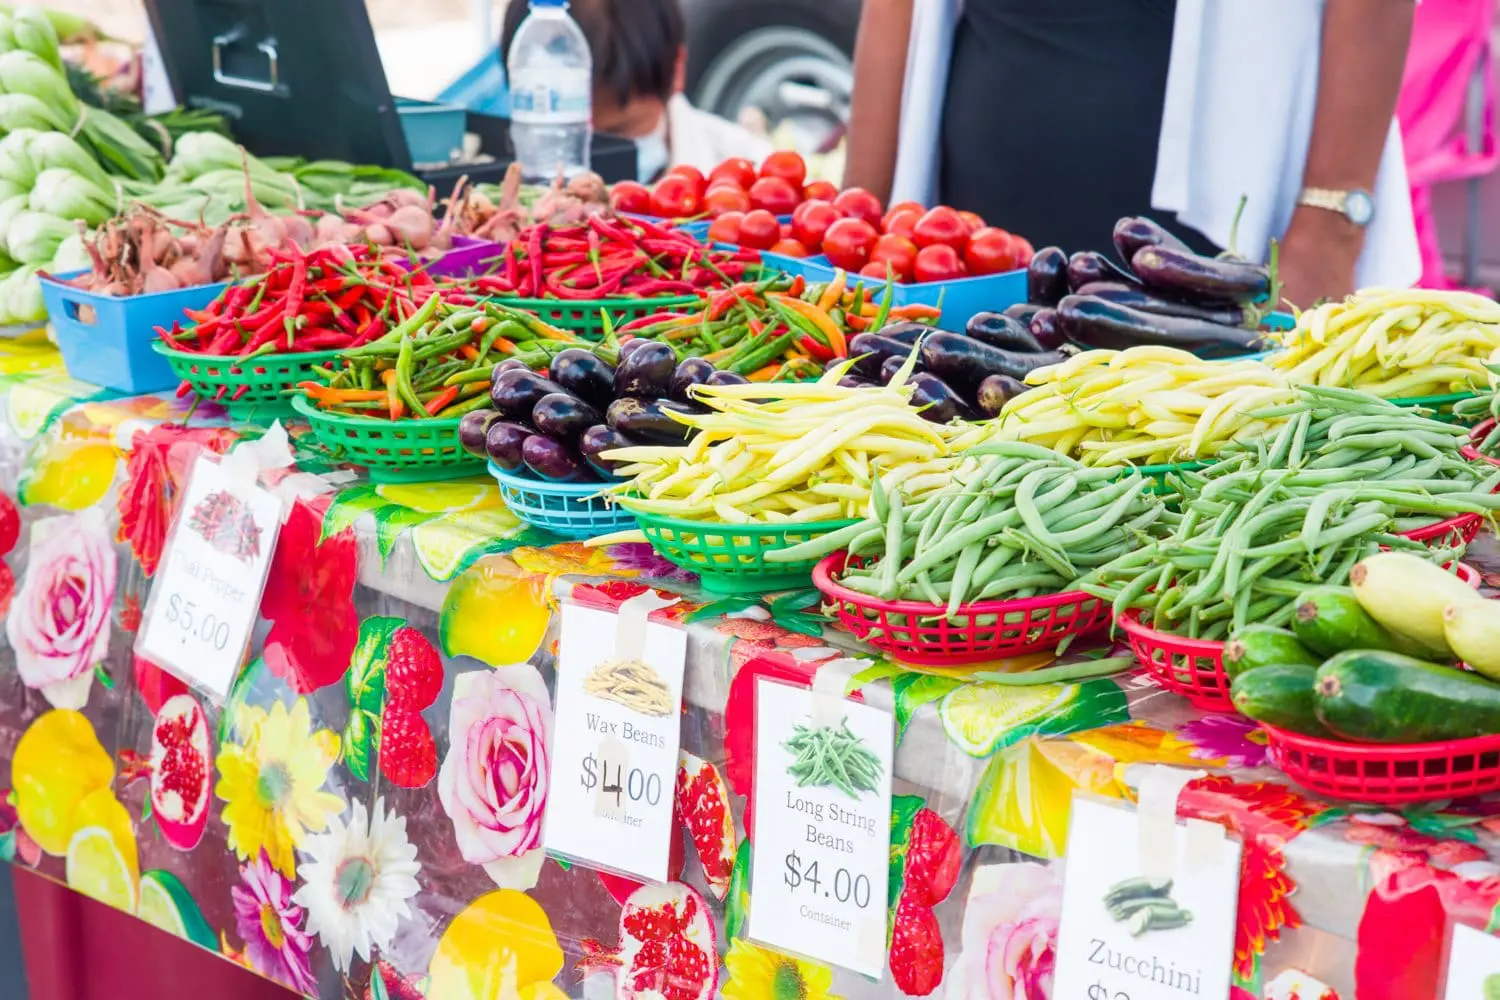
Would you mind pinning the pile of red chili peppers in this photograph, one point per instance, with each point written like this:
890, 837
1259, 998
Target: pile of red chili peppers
610, 258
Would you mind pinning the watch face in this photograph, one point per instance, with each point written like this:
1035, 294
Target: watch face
1360, 208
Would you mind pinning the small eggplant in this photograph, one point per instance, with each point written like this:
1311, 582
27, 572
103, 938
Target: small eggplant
727, 378
939, 403
1094, 323
551, 459
647, 420
999, 330
502, 442
585, 375
905, 331
1131, 234
997, 390
1087, 267
647, 372
871, 350
508, 365
964, 363
1046, 331
1227, 314
890, 366
1047, 277
515, 393
693, 371
564, 416
600, 438
632, 345
855, 382
1022, 312
472, 430
1188, 276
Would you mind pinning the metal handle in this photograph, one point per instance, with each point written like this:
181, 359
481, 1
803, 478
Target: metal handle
266, 46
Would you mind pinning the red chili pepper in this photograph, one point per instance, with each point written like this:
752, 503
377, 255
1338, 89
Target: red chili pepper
817, 350
534, 256
441, 400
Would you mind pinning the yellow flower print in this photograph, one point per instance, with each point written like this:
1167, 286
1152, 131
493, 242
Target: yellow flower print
757, 973
273, 782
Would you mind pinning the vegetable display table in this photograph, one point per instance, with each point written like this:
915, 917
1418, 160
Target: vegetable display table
344, 752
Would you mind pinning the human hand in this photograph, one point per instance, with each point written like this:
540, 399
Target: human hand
1318, 256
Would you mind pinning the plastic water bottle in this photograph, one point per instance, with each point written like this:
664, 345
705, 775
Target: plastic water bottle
551, 75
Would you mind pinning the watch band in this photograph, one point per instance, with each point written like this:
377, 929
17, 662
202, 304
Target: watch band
1332, 200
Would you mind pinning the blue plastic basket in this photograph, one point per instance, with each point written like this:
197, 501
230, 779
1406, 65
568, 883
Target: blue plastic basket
434, 132
107, 340
573, 510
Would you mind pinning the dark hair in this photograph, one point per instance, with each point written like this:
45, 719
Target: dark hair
634, 42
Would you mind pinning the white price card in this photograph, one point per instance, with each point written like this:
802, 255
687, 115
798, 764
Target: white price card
614, 757
1125, 935
1473, 965
820, 859
204, 603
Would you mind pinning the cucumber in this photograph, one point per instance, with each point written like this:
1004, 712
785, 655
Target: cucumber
1262, 645
1379, 697
1280, 695
1330, 620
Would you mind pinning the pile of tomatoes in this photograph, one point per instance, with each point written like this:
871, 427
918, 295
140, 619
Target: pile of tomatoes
908, 243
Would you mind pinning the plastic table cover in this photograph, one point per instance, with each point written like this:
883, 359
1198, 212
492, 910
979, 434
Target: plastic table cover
360, 820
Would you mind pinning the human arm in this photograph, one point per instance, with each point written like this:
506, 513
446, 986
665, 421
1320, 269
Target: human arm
879, 78
1363, 55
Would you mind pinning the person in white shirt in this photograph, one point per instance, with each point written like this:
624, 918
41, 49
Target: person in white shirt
640, 60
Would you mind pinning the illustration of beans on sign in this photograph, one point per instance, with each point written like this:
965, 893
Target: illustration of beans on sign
1144, 904
832, 757
394, 674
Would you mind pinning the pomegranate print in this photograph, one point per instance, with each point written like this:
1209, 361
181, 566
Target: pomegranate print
667, 947
181, 762
703, 807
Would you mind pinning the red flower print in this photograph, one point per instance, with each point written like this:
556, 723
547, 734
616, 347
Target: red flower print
309, 600
1405, 922
160, 461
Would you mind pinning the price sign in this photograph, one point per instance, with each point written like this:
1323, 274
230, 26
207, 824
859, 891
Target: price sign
1473, 965
614, 759
1127, 936
204, 603
820, 858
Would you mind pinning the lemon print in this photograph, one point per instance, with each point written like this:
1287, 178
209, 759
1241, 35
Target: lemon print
97, 866
165, 903
441, 498
980, 718
495, 613
501, 944
58, 765
445, 543
71, 475
32, 404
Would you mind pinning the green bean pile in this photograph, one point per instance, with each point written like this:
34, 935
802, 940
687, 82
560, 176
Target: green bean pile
1028, 522
833, 756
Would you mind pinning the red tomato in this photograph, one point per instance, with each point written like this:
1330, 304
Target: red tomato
848, 243
900, 252
903, 222
900, 206
991, 251
941, 225
628, 196
759, 230
883, 271
774, 195
1024, 250
811, 220
790, 248
938, 262
692, 173
726, 228
740, 171
725, 199
675, 197
972, 220
820, 191
788, 166
859, 204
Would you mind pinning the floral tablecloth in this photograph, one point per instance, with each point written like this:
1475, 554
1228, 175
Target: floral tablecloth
368, 804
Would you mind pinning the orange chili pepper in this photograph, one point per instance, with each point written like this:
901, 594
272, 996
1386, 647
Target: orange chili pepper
506, 345
823, 323
916, 311
394, 404
765, 374
469, 351
834, 292
441, 400
799, 285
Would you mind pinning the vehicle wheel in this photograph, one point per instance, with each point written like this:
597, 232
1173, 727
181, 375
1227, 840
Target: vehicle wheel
792, 60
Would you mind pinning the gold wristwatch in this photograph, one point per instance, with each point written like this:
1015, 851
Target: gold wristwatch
1356, 205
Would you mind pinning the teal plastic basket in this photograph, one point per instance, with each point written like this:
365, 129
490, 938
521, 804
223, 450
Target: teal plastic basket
572, 510
1441, 406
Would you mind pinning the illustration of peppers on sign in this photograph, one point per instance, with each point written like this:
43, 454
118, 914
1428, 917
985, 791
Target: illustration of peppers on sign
394, 674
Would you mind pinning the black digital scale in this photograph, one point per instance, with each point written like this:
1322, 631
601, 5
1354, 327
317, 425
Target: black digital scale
304, 78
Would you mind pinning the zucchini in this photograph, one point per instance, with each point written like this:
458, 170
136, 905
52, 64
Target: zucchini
1407, 594
1330, 620
1379, 697
1280, 695
1472, 629
1262, 645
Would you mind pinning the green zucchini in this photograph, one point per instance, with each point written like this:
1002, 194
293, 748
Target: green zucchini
1329, 620
1262, 645
1380, 697
1280, 695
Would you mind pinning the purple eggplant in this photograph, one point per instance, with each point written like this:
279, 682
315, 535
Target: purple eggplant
905, 331
1047, 277
855, 382
564, 416
1022, 312
890, 366
964, 363
508, 365
1045, 329
1094, 323
647, 372
516, 392
999, 330
585, 375
870, 351
693, 371
473, 428
553, 460
997, 390
1188, 276
1087, 267
727, 378
632, 345
1226, 313
600, 438
939, 403
1131, 234
502, 442
647, 420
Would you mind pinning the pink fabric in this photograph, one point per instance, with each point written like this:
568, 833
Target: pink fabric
1449, 39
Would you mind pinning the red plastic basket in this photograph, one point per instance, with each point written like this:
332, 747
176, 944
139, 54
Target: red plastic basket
1464, 528
1476, 438
922, 633
1388, 774
1193, 668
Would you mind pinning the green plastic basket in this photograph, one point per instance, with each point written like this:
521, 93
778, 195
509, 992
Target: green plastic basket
257, 386
395, 451
1158, 473
1441, 406
585, 316
730, 558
